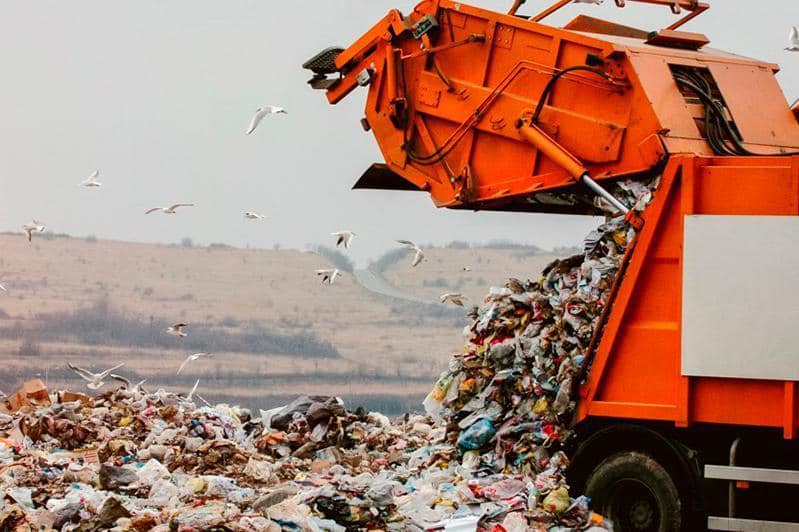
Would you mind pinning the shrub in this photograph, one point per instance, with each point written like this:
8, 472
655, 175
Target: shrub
29, 348
388, 259
339, 259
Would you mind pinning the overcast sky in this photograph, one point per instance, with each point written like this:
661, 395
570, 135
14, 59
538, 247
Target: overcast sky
157, 95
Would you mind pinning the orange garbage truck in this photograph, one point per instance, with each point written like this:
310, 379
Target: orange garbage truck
689, 416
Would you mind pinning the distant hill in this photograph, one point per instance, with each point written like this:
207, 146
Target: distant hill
274, 329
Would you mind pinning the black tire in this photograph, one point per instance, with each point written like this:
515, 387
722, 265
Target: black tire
636, 493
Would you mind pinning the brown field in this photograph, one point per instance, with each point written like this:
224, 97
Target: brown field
389, 352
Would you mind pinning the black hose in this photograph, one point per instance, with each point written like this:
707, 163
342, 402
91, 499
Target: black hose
551, 83
718, 121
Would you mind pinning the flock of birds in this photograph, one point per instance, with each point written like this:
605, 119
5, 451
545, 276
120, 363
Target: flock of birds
343, 239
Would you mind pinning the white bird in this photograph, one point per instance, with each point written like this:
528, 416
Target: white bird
254, 216
95, 380
177, 330
91, 181
124, 380
793, 40
328, 276
34, 227
192, 358
3, 287
418, 257
454, 297
260, 113
466, 269
137, 388
344, 238
172, 209
193, 389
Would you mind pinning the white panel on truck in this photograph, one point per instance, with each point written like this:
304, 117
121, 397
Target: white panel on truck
740, 307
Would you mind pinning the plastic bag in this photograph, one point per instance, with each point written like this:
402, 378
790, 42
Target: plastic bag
477, 436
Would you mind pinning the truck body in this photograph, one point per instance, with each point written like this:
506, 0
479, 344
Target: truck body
694, 364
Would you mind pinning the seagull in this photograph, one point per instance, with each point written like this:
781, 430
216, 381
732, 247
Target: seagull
328, 276
192, 358
254, 216
3, 287
126, 383
95, 380
260, 113
169, 210
33, 227
418, 257
177, 330
793, 40
91, 181
455, 298
466, 269
193, 389
344, 238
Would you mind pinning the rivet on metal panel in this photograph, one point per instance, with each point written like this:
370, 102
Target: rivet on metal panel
504, 36
429, 96
498, 123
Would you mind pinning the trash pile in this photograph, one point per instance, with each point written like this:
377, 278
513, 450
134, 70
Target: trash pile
485, 457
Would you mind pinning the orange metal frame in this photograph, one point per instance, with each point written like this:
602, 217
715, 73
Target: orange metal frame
467, 93
636, 370
693, 7
462, 91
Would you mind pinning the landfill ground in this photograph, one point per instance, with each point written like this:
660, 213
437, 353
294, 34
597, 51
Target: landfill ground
274, 289
486, 455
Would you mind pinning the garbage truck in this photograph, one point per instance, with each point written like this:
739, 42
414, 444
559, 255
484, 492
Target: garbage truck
688, 412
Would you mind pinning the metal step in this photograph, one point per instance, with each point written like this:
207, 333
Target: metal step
324, 62
752, 474
734, 473
749, 525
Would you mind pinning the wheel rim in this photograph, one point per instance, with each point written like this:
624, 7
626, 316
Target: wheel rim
632, 506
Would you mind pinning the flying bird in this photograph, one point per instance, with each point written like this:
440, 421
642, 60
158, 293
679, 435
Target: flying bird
3, 287
344, 238
193, 389
126, 383
34, 227
192, 358
328, 276
254, 216
177, 330
418, 257
91, 181
455, 298
793, 40
95, 380
169, 210
260, 113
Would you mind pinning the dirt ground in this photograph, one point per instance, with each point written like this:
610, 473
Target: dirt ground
390, 352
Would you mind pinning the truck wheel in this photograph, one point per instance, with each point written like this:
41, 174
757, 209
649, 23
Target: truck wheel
635, 493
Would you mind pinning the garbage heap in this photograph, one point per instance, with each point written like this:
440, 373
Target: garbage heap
485, 457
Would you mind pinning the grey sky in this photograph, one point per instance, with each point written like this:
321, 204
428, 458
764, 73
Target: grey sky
157, 95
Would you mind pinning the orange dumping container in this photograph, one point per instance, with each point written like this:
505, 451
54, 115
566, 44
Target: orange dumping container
484, 110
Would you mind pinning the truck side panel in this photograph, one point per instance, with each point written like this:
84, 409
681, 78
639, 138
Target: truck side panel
637, 366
